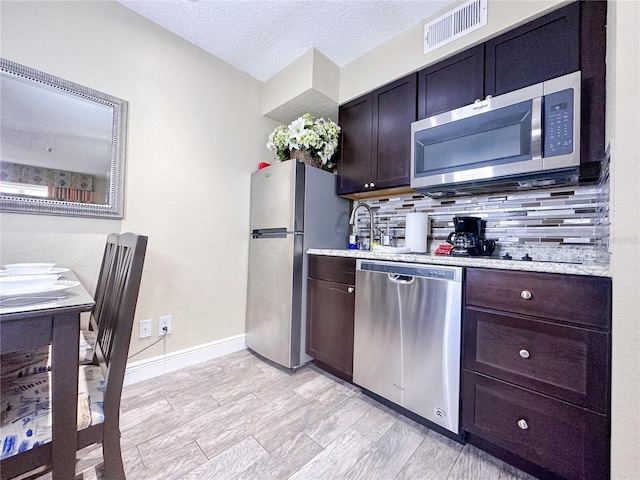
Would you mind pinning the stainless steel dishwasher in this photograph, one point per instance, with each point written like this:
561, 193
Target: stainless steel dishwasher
407, 337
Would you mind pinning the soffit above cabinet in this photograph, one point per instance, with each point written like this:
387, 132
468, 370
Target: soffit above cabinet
311, 101
310, 84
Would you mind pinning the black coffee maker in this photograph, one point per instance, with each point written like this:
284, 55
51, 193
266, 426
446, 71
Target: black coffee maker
468, 237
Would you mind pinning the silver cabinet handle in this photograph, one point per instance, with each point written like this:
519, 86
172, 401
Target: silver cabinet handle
526, 294
524, 353
522, 423
350, 289
372, 185
366, 185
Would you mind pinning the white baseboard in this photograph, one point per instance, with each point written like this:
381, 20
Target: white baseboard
153, 367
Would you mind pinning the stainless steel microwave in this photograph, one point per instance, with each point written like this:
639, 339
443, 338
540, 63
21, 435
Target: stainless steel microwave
522, 139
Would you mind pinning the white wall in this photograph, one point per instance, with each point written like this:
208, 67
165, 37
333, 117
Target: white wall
195, 134
623, 126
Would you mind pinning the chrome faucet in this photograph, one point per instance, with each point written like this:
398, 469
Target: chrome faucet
352, 219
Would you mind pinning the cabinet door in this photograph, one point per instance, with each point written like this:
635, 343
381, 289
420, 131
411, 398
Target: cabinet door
452, 83
330, 310
537, 51
356, 140
394, 109
593, 47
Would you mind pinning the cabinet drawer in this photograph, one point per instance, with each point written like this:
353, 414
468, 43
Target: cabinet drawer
334, 269
576, 299
567, 440
570, 363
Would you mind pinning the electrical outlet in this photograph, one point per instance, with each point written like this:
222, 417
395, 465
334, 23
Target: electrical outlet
162, 323
145, 329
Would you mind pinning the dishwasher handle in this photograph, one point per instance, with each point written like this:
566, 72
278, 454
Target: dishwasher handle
401, 279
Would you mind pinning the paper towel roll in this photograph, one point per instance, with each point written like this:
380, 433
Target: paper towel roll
416, 231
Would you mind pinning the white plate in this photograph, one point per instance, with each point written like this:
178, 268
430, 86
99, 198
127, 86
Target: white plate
29, 268
59, 286
53, 270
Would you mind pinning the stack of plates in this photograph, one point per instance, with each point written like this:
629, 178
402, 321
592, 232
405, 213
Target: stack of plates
21, 279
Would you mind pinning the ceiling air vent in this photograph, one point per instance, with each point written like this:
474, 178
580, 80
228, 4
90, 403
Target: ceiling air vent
464, 19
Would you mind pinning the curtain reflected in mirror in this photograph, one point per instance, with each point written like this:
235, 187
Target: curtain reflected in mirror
62, 149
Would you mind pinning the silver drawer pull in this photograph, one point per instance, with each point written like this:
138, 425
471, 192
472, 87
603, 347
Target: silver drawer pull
526, 294
366, 185
522, 423
350, 289
372, 185
524, 353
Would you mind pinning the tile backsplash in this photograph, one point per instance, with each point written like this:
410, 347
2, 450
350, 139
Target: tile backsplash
559, 224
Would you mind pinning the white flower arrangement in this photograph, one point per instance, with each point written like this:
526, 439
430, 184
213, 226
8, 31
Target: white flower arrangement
318, 137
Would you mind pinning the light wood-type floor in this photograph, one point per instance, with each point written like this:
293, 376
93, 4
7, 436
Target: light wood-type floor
236, 417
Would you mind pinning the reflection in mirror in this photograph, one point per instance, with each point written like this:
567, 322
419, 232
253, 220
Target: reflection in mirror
62, 148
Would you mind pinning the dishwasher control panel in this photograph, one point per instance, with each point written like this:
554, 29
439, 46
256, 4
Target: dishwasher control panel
414, 270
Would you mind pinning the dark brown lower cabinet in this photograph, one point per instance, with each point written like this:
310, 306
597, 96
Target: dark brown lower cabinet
536, 381
330, 313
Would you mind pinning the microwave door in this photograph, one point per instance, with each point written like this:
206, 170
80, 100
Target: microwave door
495, 143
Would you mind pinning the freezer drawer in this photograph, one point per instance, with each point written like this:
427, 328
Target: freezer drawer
407, 337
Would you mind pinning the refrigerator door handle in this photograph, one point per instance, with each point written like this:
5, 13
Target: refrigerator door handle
269, 233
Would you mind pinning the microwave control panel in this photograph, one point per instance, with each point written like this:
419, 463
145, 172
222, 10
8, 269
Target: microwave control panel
558, 123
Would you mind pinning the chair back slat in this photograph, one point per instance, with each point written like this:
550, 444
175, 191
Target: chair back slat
106, 270
116, 316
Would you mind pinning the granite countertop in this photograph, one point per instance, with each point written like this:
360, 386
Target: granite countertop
599, 270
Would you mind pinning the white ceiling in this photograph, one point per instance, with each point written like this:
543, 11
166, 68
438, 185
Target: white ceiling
261, 37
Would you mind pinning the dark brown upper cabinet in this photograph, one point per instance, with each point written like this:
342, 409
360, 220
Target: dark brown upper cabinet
452, 83
563, 41
542, 49
375, 146
568, 39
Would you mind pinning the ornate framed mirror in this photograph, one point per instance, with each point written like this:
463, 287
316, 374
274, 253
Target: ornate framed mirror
62, 149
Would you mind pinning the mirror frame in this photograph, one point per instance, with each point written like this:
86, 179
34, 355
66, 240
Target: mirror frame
114, 208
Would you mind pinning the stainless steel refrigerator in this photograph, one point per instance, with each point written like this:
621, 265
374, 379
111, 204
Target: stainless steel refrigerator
293, 207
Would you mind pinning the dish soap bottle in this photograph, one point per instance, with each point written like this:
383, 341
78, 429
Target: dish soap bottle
353, 239
387, 239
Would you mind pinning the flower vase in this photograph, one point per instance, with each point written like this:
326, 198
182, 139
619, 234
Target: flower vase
306, 157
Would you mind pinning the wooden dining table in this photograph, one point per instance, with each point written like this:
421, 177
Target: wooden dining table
28, 322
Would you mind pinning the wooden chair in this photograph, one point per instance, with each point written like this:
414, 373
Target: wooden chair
37, 360
100, 382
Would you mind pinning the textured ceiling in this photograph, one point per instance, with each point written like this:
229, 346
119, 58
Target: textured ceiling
262, 37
